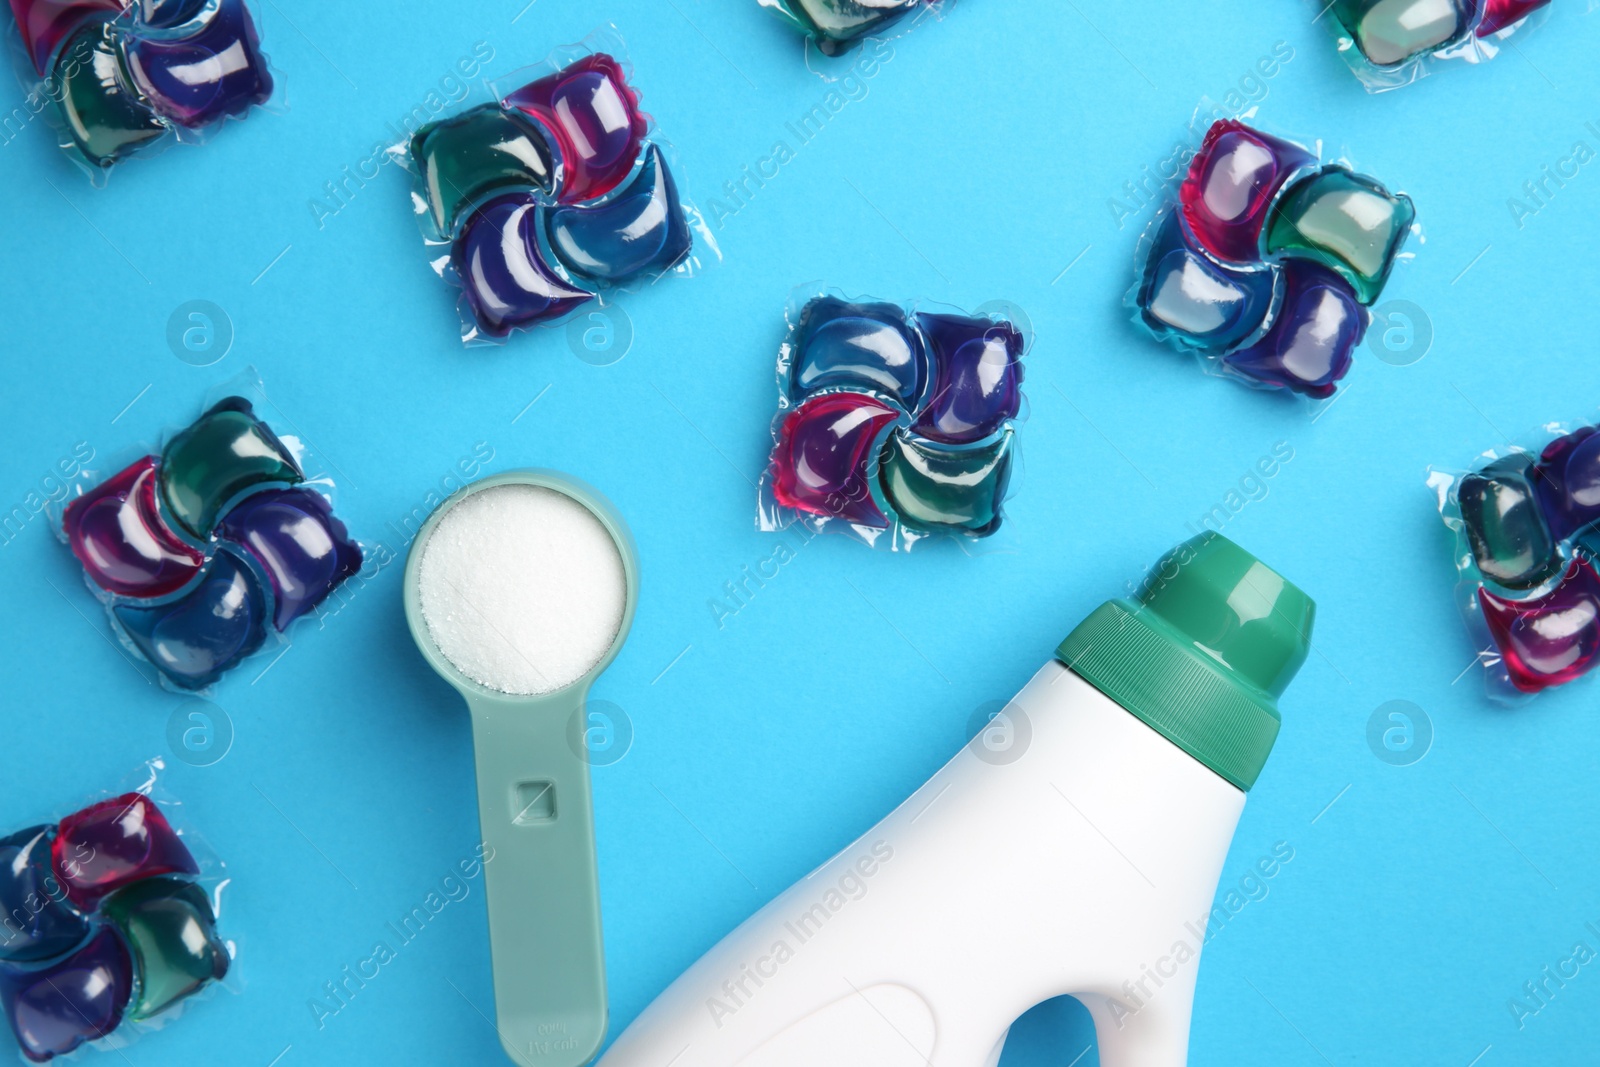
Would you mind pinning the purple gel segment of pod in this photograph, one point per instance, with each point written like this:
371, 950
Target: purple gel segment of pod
594, 116
117, 533
164, 14
825, 448
977, 377
46, 23
1230, 185
37, 922
195, 639
205, 67
867, 346
54, 1009
1188, 298
1548, 640
1568, 480
304, 551
507, 282
107, 845
1308, 346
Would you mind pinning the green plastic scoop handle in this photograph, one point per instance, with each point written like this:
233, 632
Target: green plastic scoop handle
537, 819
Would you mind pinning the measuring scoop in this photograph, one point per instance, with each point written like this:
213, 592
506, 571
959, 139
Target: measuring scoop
534, 804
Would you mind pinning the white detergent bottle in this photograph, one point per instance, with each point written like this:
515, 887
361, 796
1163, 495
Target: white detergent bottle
1084, 865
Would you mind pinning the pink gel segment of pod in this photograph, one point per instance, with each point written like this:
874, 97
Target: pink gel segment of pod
595, 119
107, 845
45, 23
117, 533
824, 448
1231, 184
1498, 14
1552, 639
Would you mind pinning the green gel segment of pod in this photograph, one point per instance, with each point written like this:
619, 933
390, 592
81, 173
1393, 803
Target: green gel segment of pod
1510, 540
171, 933
466, 158
1345, 221
1389, 32
943, 488
103, 115
836, 24
226, 454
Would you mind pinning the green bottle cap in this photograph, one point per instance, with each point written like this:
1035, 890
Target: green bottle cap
1201, 653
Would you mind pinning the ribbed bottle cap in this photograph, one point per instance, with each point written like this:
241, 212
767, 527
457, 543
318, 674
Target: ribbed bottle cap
1201, 653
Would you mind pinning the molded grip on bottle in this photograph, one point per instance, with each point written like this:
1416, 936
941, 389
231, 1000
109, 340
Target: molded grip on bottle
541, 881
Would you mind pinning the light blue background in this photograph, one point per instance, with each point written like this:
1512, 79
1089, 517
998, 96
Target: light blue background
979, 165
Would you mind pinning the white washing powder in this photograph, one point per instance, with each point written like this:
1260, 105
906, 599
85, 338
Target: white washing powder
522, 588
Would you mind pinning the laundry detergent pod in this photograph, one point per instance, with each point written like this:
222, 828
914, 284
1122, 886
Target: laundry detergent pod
208, 548
1266, 262
555, 194
894, 423
1527, 525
